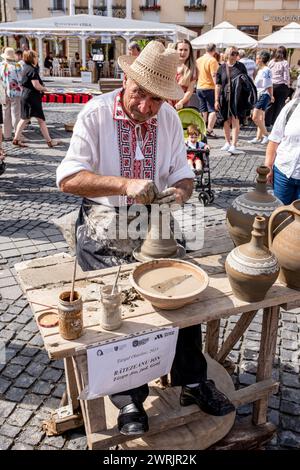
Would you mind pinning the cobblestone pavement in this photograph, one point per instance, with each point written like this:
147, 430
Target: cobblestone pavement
30, 384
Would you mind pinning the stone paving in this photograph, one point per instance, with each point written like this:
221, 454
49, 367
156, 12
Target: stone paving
30, 384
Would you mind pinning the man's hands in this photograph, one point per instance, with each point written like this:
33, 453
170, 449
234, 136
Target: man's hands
170, 196
143, 191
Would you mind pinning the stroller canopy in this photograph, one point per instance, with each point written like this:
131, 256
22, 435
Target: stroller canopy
189, 116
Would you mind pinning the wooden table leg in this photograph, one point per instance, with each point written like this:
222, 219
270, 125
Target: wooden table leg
72, 389
93, 411
239, 329
212, 338
265, 360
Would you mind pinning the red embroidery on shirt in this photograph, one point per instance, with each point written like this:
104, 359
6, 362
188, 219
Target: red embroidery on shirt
131, 168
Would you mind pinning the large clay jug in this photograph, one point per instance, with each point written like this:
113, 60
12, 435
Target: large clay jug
240, 215
284, 242
251, 268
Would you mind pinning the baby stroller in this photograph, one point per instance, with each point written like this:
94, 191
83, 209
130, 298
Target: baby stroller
202, 181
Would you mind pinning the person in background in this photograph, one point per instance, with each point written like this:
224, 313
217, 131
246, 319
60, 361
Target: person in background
263, 82
248, 63
19, 57
283, 151
186, 72
207, 67
279, 67
11, 77
193, 143
48, 63
134, 49
31, 100
227, 72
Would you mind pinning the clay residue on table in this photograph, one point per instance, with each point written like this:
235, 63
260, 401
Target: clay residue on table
129, 296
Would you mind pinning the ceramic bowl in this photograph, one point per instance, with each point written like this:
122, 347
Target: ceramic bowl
185, 280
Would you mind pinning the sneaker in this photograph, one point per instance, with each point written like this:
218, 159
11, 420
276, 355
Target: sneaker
234, 151
265, 140
254, 141
226, 147
208, 398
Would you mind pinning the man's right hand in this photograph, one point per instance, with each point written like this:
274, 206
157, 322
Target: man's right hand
143, 191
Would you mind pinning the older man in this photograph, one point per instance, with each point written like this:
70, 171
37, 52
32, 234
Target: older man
125, 145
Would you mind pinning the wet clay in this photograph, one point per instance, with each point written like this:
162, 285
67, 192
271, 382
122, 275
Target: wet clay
151, 281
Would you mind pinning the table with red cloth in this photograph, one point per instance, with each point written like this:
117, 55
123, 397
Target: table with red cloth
65, 95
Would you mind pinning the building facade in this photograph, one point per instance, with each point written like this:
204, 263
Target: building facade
259, 18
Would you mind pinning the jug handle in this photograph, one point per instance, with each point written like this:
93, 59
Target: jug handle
276, 212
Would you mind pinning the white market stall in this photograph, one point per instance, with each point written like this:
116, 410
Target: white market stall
288, 36
91, 26
224, 35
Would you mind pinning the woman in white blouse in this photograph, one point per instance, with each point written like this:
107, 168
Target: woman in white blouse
283, 152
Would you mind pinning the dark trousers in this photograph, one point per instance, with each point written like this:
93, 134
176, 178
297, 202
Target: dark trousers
280, 92
189, 365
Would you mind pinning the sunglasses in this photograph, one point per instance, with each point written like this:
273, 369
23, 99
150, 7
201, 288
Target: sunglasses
233, 53
194, 135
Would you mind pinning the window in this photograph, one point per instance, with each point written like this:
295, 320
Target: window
195, 3
58, 5
151, 3
24, 5
276, 28
250, 30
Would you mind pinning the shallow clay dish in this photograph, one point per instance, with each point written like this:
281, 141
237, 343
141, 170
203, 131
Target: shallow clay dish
48, 319
169, 283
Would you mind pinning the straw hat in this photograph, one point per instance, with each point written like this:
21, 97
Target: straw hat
9, 54
155, 70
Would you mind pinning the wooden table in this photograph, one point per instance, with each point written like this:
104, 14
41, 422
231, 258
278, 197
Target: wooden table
42, 281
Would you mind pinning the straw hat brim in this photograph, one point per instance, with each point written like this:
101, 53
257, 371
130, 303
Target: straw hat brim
149, 81
5, 57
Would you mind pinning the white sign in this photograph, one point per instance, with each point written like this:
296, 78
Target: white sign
129, 363
105, 39
86, 77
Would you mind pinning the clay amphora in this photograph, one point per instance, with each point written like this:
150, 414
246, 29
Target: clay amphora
251, 268
285, 243
240, 215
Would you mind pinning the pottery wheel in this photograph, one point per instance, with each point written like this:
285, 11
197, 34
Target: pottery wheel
139, 256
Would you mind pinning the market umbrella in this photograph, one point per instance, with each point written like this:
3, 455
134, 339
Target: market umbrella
224, 35
288, 36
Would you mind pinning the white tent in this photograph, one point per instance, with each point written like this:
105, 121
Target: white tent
86, 26
224, 35
288, 36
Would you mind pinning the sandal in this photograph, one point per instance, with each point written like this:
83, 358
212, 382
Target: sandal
133, 420
53, 143
211, 134
19, 143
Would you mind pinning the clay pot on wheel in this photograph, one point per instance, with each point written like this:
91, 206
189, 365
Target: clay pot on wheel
285, 243
240, 215
251, 268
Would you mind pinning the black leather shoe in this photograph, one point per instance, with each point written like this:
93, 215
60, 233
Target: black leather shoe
133, 420
208, 398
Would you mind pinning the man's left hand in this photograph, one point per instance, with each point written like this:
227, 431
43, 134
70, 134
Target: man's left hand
170, 196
